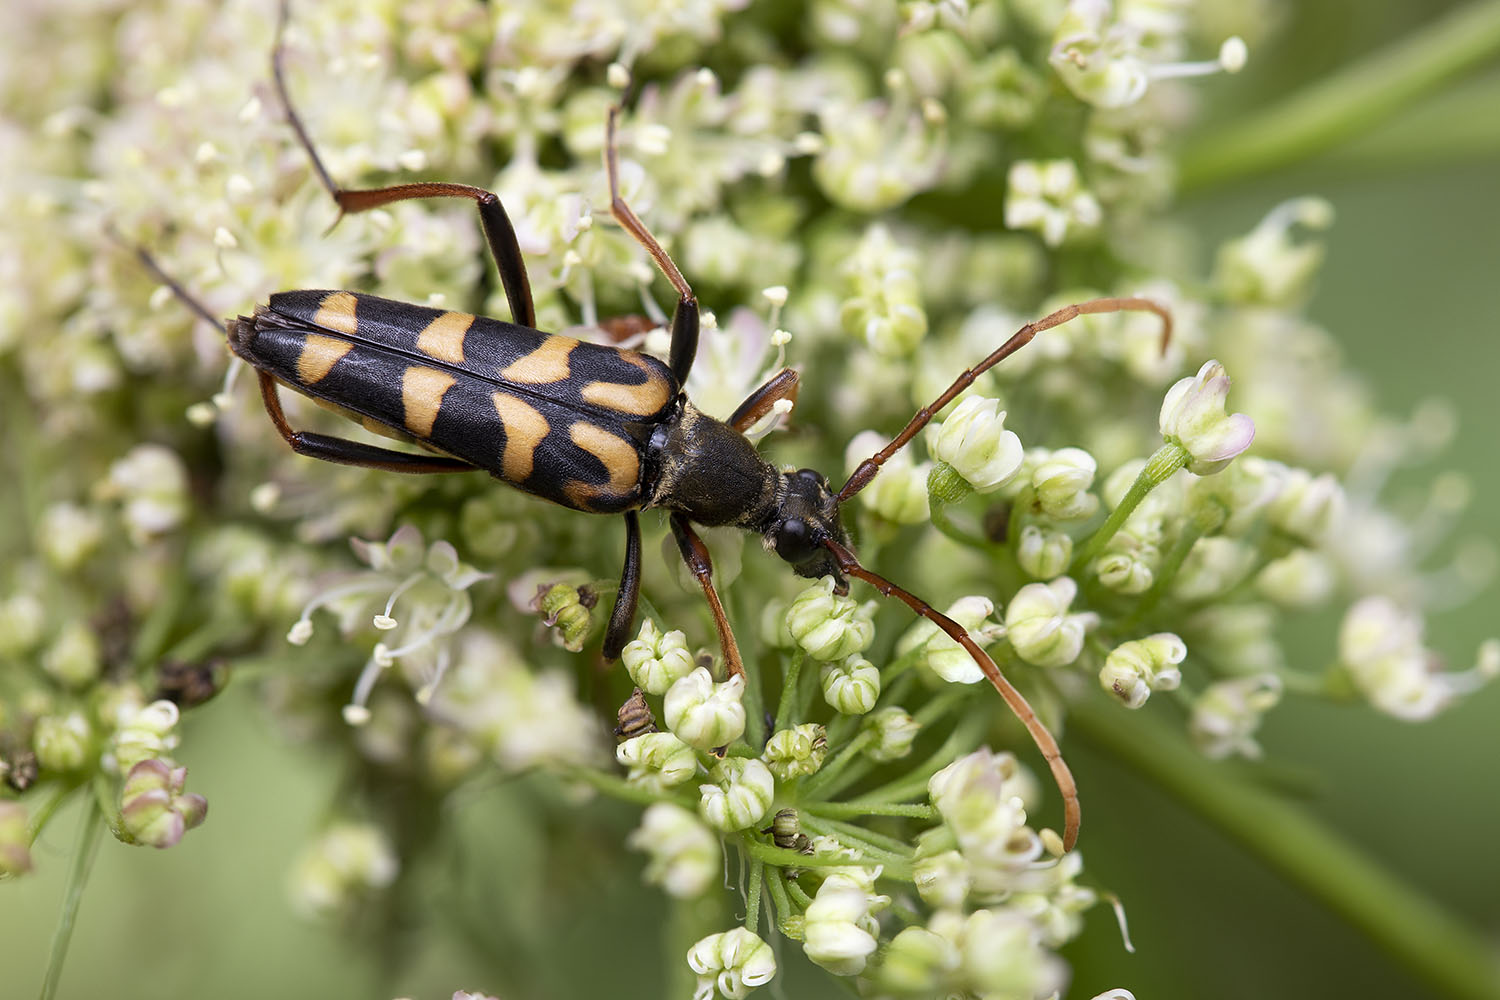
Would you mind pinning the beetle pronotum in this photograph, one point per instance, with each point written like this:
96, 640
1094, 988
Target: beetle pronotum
594, 428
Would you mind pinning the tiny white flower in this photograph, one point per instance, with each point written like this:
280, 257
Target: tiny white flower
1062, 481
684, 854
974, 441
1040, 627
899, 493
943, 655
734, 963
1266, 267
1048, 196
851, 685
1134, 669
346, 862
740, 796
840, 932
1381, 647
704, 714
1193, 416
894, 730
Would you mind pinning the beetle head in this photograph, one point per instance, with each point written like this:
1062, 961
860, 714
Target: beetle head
807, 515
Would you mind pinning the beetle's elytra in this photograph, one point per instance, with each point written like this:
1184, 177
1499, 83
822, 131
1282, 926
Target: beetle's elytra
598, 429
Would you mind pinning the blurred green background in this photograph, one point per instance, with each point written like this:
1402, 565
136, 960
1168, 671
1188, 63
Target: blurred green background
1409, 290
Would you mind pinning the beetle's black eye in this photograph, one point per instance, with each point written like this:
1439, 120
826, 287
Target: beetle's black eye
812, 475
794, 541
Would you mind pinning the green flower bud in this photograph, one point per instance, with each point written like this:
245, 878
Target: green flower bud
22, 621
147, 732
1266, 267
657, 761
829, 626
153, 810
944, 656
883, 295
1048, 196
1227, 714
1062, 480
656, 661
348, 861
852, 685
570, 611
917, 963
792, 753
839, 929
740, 796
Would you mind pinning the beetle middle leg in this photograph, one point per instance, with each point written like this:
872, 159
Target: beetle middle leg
626, 598
685, 316
695, 554
498, 231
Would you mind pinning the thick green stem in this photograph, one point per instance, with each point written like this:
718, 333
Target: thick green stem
789, 691
861, 807
1158, 469
89, 829
752, 896
1351, 101
1402, 922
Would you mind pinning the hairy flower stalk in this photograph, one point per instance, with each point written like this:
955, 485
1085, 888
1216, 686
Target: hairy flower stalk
871, 193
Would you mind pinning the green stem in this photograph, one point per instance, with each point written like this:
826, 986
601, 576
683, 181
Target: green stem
1210, 519
619, 788
863, 807
1347, 103
858, 836
796, 892
823, 784
1158, 469
937, 514
83, 860
1399, 920
752, 896
789, 691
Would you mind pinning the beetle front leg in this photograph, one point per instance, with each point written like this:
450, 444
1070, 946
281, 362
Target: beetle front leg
623, 616
498, 231
695, 554
685, 316
347, 452
782, 385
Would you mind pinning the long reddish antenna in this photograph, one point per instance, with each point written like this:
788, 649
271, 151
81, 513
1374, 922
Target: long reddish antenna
867, 469
1040, 735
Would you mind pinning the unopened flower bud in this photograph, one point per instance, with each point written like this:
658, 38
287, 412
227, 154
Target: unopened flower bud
1307, 507
22, 622
740, 796
1134, 669
147, 732
942, 655
1227, 714
916, 963
69, 534
657, 761
851, 685
1266, 267
1301, 579
894, 732
792, 753
734, 963
1039, 627
1048, 196
944, 879
1062, 482
74, 657
1193, 416
839, 929
1044, 552
829, 626
684, 854
153, 810
704, 714
656, 661
974, 442
62, 742
899, 493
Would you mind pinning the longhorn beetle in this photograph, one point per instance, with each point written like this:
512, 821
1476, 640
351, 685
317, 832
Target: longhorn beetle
597, 429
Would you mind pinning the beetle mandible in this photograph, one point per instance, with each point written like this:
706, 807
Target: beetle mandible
598, 429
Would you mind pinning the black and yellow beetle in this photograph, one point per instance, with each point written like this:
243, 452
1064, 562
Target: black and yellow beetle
595, 428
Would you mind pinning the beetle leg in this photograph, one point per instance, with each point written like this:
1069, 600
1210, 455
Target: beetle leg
695, 554
498, 231
782, 385
685, 316
623, 616
347, 452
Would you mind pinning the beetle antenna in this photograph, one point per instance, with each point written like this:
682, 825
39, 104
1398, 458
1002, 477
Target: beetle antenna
1040, 735
867, 469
